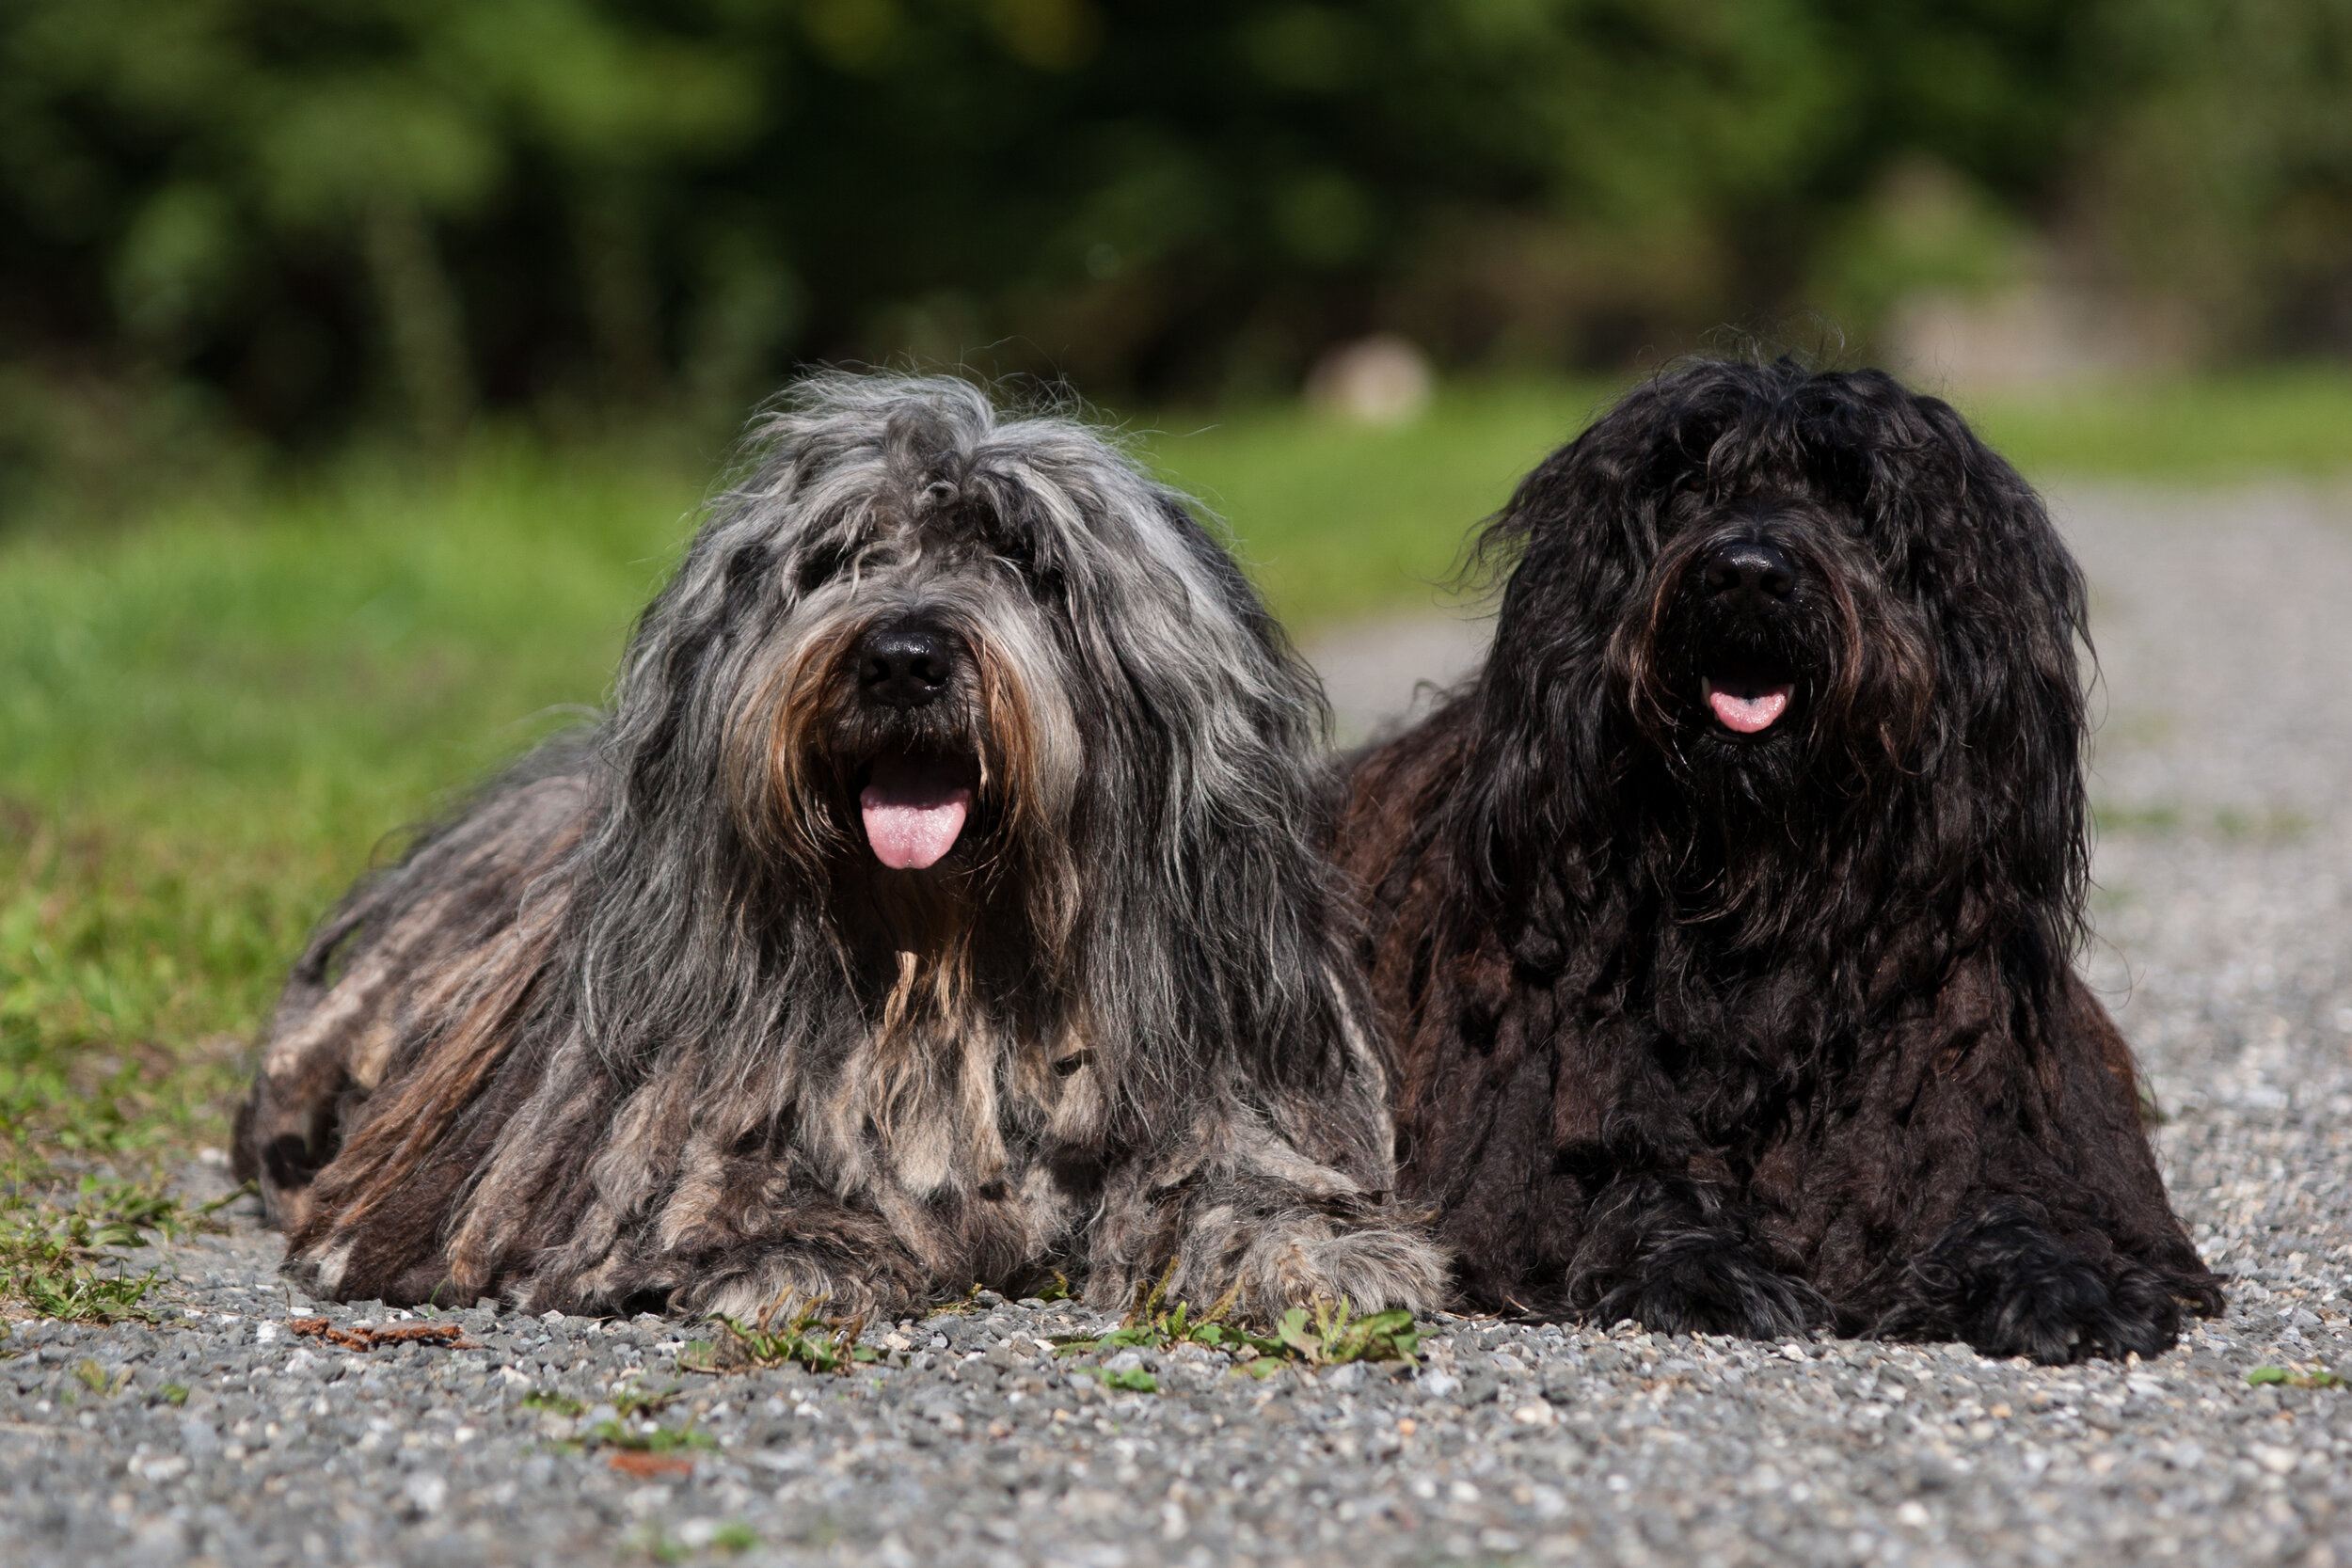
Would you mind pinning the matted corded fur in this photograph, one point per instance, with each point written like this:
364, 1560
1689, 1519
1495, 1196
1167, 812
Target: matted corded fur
649, 1024
1725, 919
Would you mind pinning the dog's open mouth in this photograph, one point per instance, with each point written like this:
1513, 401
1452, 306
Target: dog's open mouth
1747, 701
915, 806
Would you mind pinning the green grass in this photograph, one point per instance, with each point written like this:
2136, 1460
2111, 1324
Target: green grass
1336, 520
2283, 423
211, 717
62, 1247
208, 721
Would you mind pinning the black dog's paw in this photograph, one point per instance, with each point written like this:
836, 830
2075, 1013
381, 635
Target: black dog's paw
2063, 1309
1704, 1284
2012, 1288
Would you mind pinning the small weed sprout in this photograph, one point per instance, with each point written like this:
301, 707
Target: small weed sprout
615, 1435
57, 1257
1329, 1336
1335, 1338
733, 1537
2295, 1377
632, 1399
968, 1302
98, 1380
630, 1405
629, 1402
808, 1339
1127, 1380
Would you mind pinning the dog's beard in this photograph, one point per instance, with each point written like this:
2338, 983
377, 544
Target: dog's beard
1777, 702
918, 808
914, 825
1765, 729
904, 776
1731, 704
903, 800
1765, 725
1741, 687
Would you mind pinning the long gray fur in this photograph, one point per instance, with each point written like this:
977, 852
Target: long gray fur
646, 1025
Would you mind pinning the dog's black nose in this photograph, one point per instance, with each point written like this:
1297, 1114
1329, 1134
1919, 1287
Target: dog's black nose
904, 666
1751, 571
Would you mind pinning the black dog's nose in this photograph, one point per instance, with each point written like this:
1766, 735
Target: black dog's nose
1750, 570
904, 666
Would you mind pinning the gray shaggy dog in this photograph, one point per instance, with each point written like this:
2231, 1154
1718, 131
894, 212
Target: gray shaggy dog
935, 905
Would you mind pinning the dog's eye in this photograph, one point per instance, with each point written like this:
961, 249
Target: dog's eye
819, 566
1019, 551
1046, 581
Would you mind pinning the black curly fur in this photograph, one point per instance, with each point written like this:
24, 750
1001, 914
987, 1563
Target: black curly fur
1749, 1032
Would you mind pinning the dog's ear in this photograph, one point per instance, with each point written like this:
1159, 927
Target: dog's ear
1217, 944
1217, 564
1528, 828
1975, 550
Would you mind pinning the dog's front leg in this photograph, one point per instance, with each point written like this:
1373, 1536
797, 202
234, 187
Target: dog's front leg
738, 1243
2011, 1277
833, 1273
2062, 1243
1241, 1215
1263, 1248
1672, 1254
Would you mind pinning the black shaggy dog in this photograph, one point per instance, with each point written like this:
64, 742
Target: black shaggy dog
1725, 918
938, 904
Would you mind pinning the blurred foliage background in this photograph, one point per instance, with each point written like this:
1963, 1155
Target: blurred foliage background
284, 221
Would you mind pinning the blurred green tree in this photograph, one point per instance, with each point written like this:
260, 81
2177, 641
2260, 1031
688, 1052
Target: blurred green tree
2225, 176
331, 210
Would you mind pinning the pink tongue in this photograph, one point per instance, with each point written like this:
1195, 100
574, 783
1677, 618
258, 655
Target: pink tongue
914, 811
1748, 714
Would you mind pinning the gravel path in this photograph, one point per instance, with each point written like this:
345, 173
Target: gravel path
2226, 876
